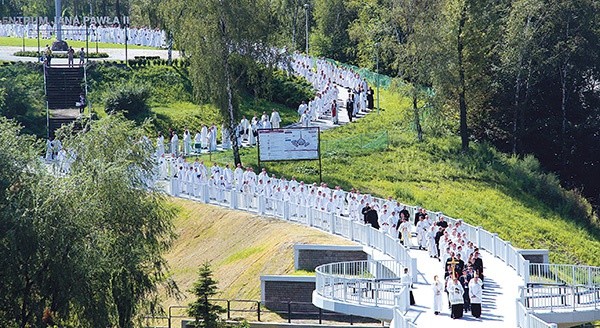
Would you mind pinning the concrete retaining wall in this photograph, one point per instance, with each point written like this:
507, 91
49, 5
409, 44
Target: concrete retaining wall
308, 257
535, 255
277, 291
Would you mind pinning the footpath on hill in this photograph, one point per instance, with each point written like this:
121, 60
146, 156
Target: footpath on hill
499, 295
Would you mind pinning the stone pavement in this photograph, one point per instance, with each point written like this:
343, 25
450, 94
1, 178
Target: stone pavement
499, 295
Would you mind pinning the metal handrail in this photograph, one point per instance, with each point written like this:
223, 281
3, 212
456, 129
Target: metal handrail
373, 283
570, 275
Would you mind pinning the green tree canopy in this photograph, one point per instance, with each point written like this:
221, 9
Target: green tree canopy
220, 36
87, 245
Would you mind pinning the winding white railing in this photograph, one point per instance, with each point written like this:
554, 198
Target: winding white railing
527, 319
373, 283
560, 298
564, 274
571, 287
307, 215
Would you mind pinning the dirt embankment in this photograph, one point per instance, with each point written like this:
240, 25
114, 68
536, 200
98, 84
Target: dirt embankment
240, 246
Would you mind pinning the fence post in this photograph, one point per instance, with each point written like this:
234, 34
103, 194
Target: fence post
233, 199
331, 223
289, 304
261, 205
169, 318
258, 310
494, 238
383, 246
205, 193
286, 210
320, 316
526, 271
519, 323
228, 310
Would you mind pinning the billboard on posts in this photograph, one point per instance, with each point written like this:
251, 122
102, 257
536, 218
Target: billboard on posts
288, 144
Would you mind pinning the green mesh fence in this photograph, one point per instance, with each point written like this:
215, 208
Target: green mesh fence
371, 77
360, 144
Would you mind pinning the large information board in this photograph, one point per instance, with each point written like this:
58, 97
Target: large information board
288, 144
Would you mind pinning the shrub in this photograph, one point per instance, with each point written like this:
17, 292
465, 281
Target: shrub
22, 96
59, 55
130, 98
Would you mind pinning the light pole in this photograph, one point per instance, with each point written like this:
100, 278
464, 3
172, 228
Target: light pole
377, 69
306, 19
57, 16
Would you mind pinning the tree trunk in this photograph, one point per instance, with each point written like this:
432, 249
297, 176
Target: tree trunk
516, 110
24, 317
417, 119
230, 110
464, 134
563, 109
517, 130
117, 8
294, 23
104, 8
564, 72
229, 90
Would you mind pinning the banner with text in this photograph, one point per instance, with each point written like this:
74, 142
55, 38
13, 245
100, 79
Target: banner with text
288, 144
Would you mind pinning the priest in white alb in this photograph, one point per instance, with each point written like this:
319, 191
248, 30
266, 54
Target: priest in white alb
275, 119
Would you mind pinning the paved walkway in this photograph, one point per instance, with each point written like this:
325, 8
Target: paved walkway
326, 123
499, 295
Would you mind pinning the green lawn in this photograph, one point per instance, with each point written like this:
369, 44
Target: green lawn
504, 194
180, 115
18, 42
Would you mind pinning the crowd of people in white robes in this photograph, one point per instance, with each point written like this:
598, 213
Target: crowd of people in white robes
462, 266
276, 190
59, 156
206, 138
448, 242
142, 36
326, 77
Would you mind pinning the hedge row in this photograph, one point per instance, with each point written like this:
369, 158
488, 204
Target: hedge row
59, 55
141, 61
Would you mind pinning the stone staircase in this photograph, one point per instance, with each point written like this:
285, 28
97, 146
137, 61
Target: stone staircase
63, 87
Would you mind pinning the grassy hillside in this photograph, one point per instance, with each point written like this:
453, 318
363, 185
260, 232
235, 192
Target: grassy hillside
504, 194
171, 95
240, 246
